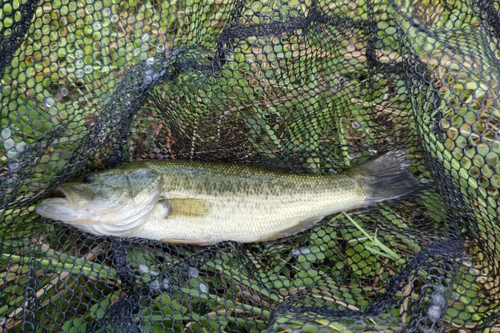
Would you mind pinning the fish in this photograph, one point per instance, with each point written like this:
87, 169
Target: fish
204, 203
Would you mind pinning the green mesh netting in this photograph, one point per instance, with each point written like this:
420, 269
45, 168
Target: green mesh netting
304, 86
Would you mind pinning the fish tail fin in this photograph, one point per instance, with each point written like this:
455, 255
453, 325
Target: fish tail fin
386, 177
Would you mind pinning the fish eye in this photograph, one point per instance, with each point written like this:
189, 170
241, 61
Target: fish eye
89, 178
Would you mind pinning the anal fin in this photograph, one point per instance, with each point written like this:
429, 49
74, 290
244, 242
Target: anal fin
301, 226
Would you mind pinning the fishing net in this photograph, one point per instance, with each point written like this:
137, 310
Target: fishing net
305, 86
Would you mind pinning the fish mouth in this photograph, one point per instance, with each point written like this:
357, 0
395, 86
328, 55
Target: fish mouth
59, 193
61, 196
75, 196
61, 205
55, 208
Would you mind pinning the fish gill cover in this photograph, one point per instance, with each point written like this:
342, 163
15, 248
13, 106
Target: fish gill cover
303, 86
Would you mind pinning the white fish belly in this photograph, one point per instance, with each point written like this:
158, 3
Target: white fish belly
249, 218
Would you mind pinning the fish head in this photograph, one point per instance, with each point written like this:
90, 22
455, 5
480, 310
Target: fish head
114, 202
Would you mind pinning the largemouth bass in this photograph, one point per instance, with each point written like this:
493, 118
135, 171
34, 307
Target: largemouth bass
206, 203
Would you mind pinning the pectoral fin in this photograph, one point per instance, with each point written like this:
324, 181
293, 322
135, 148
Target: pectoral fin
188, 207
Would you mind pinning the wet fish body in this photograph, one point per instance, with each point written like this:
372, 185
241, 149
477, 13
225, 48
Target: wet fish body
205, 203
